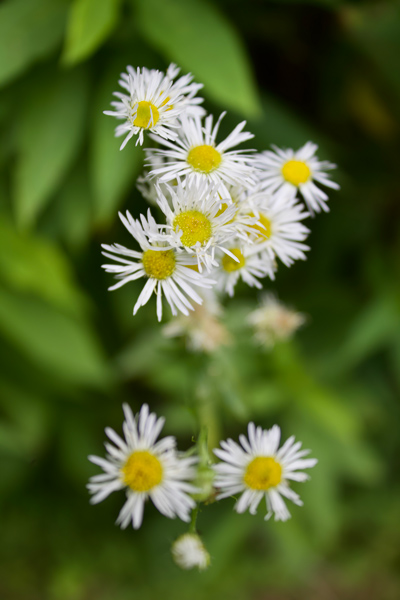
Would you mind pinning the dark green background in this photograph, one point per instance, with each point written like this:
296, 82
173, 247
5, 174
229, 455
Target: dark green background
72, 352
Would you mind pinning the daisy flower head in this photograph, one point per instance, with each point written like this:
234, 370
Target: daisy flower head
167, 272
279, 231
296, 170
153, 102
273, 321
145, 468
196, 155
248, 266
258, 468
188, 552
195, 222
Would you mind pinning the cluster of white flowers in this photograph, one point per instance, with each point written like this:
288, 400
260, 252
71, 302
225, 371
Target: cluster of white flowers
147, 468
228, 214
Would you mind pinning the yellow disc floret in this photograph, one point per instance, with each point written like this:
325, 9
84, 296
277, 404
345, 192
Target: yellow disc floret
159, 264
296, 172
204, 158
196, 227
229, 264
266, 229
263, 473
142, 471
147, 114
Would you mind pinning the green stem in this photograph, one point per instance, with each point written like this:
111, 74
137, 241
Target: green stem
192, 526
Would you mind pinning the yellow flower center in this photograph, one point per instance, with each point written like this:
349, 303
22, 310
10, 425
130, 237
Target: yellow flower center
147, 115
159, 264
204, 158
296, 172
196, 227
229, 264
263, 473
142, 471
266, 230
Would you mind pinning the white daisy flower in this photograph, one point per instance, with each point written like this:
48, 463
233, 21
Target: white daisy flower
154, 102
146, 469
195, 222
197, 156
273, 321
278, 231
258, 469
188, 552
167, 271
247, 267
293, 170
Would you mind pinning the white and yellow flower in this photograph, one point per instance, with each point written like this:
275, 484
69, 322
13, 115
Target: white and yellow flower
296, 170
279, 231
259, 469
195, 222
145, 468
154, 102
167, 272
248, 266
196, 155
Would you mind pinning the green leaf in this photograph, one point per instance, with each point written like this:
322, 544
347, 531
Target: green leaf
31, 264
112, 171
90, 23
53, 340
375, 327
70, 217
27, 422
199, 38
51, 130
29, 30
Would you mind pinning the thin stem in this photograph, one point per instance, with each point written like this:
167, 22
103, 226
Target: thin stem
192, 526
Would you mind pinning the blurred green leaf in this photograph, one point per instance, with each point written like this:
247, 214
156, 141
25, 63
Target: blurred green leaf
70, 216
376, 325
376, 28
32, 264
112, 171
28, 420
199, 38
323, 404
51, 130
66, 346
90, 22
29, 30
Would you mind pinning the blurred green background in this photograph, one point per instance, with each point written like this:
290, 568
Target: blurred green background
325, 70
